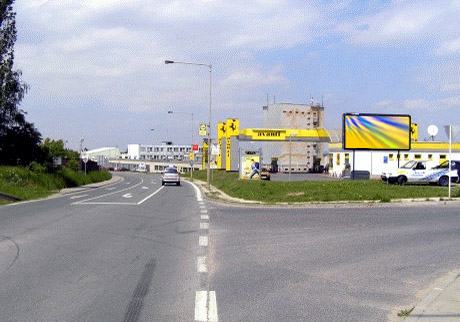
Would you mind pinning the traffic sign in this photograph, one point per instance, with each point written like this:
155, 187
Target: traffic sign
202, 131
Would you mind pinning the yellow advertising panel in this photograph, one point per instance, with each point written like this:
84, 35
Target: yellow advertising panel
414, 132
232, 127
249, 170
376, 132
205, 154
228, 152
221, 131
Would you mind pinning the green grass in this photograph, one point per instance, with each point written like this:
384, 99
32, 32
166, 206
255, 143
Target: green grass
320, 191
406, 312
28, 183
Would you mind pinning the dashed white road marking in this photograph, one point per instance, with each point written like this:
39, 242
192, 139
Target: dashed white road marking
201, 311
203, 211
110, 189
204, 217
145, 188
203, 241
201, 265
204, 225
212, 309
202, 207
127, 195
205, 312
107, 194
78, 197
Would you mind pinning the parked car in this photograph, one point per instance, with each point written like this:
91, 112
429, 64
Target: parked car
417, 172
170, 175
265, 174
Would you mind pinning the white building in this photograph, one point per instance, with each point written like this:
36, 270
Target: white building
377, 162
162, 152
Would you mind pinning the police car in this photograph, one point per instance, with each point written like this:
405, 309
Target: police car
417, 172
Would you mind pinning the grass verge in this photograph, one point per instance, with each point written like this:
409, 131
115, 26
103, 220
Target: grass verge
27, 183
320, 191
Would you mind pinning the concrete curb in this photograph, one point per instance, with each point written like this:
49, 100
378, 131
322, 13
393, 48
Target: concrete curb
219, 196
433, 297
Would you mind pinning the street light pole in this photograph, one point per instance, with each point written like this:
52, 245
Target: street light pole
208, 172
191, 145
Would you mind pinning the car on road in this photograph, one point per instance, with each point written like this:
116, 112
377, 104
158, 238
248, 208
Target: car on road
170, 175
417, 172
265, 174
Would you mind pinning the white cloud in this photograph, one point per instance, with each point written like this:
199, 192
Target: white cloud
252, 77
450, 47
404, 23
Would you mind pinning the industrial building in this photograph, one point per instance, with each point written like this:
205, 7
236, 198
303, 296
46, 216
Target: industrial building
166, 151
302, 156
377, 162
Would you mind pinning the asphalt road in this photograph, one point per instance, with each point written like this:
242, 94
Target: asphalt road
137, 251
125, 252
328, 264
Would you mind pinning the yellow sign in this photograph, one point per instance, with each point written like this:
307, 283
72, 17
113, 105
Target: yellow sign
414, 132
192, 156
232, 127
203, 130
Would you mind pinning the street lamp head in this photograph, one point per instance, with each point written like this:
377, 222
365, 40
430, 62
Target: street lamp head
170, 112
152, 129
169, 62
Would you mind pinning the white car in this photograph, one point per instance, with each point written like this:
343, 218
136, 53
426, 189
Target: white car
417, 172
171, 175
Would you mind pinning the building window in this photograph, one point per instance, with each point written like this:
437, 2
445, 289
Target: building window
417, 156
406, 157
430, 157
391, 156
442, 158
338, 158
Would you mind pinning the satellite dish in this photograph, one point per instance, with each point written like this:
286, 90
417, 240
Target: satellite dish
432, 130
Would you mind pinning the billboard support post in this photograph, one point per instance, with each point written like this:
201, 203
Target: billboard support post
353, 171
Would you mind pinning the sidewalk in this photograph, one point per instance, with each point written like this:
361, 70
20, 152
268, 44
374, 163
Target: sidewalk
441, 304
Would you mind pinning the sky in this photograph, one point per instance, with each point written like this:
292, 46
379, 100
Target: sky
96, 68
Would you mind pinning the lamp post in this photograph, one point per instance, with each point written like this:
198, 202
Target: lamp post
208, 172
192, 137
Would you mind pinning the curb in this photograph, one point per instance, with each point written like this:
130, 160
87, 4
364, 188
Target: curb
222, 197
432, 296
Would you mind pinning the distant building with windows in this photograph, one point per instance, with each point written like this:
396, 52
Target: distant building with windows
166, 151
304, 156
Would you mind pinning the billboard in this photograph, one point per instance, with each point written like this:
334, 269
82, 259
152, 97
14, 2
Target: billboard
376, 131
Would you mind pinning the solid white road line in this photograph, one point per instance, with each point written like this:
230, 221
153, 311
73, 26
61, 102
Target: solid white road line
203, 241
197, 191
204, 225
204, 217
201, 312
201, 265
148, 197
107, 203
212, 310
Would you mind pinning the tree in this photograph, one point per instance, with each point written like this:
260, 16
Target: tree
16, 133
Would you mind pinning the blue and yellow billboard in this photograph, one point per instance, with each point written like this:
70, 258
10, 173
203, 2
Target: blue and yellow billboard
376, 132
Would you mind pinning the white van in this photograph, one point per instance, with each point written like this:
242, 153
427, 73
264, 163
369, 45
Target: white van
417, 172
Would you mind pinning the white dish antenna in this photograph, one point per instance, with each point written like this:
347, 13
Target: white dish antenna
432, 131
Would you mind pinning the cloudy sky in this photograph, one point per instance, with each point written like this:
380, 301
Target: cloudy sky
96, 67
